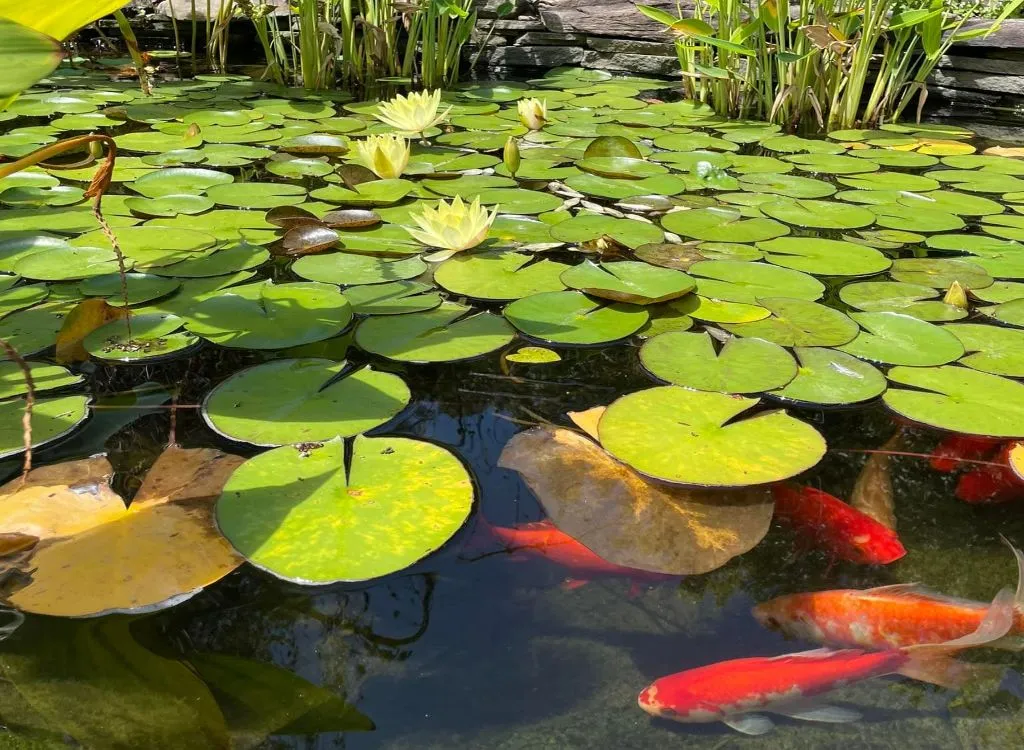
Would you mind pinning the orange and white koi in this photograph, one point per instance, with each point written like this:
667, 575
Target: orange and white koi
886, 617
739, 692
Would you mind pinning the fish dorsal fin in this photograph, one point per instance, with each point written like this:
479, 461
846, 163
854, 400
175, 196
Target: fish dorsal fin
915, 590
751, 724
814, 653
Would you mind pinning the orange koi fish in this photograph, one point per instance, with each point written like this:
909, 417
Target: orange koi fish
887, 617
947, 456
542, 539
831, 524
991, 484
736, 692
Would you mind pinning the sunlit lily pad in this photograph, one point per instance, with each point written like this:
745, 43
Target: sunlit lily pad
993, 349
744, 365
798, 322
533, 355
628, 281
830, 164
499, 275
169, 205
520, 200
896, 339
747, 282
614, 189
447, 333
950, 201
620, 167
21, 297
1011, 313
305, 515
236, 257
349, 269
374, 193
152, 336
914, 218
393, 298
34, 329
45, 377
691, 437
140, 287
179, 181
52, 418
303, 401
817, 214
722, 225
824, 257
574, 318
627, 519
587, 227
940, 273
958, 399
829, 377
67, 263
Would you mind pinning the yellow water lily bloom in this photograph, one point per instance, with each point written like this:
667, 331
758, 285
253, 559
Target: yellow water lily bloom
384, 155
956, 296
452, 227
413, 113
533, 113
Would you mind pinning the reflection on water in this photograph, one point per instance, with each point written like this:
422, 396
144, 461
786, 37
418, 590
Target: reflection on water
486, 651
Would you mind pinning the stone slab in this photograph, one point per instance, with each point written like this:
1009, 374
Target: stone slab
532, 38
652, 65
618, 18
630, 46
532, 57
1009, 36
991, 83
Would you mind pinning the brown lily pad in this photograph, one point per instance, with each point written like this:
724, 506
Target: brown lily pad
351, 218
290, 216
307, 239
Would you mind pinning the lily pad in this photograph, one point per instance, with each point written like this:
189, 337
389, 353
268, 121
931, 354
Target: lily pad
817, 214
448, 333
574, 318
153, 336
722, 225
237, 257
828, 377
303, 401
45, 377
744, 365
992, 349
499, 275
141, 287
169, 205
914, 218
628, 281
896, 339
52, 418
1011, 313
349, 269
587, 227
621, 167
791, 186
940, 273
67, 263
179, 181
691, 437
533, 355
824, 257
797, 322
393, 298
747, 282
306, 516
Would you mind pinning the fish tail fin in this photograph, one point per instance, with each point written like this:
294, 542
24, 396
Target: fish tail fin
481, 541
1018, 599
934, 663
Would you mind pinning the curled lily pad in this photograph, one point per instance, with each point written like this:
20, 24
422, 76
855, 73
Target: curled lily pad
447, 333
628, 281
304, 514
722, 225
992, 349
52, 418
574, 318
308, 239
744, 365
829, 377
499, 275
691, 437
896, 339
627, 519
798, 322
303, 401
958, 399
824, 257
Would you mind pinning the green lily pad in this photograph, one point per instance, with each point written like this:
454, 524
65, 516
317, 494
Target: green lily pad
897, 339
448, 333
793, 144
977, 181
520, 230
1008, 227
179, 181
169, 205
21, 297
52, 419
824, 257
1000, 291
694, 437
66, 263
747, 282
519, 200
587, 227
499, 275
141, 287
742, 366
57, 195
798, 322
306, 516
297, 167
152, 336
574, 318
34, 329
468, 184
238, 257
617, 189
895, 296
393, 298
940, 273
533, 355
817, 214
303, 401
903, 181
991, 349
830, 164
348, 269
914, 218
711, 310
256, 194
622, 167
720, 224
1011, 313
890, 158
828, 377
45, 377
958, 399
628, 281
986, 163
264, 315
791, 186
950, 201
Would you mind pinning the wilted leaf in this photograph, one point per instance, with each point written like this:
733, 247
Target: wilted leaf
95, 556
627, 519
86, 317
307, 239
290, 216
587, 420
351, 218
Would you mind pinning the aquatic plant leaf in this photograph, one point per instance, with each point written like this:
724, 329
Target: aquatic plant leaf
348, 269
829, 377
102, 562
719, 311
940, 273
67, 263
298, 513
895, 339
612, 146
627, 519
141, 287
28, 56
747, 282
45, 377
791, 186
990, 348
722, 224
958, 399
499, 275
742, 366
84, 318
392, 298
533, 355
573, 318
628, 281
302, 401
152, 336
447, 333
691, 437
914, 218
52, 419
621, 167
588, 227
169, 205
1011, 313
824, 257
950, 201
239, 256
21, 297
798, 322
817, 214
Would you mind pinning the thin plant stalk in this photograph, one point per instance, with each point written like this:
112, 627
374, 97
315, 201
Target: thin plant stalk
132, 43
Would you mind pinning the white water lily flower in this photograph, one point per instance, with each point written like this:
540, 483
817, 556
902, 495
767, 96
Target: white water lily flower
384, 155
533, 113
413, 113
452, 227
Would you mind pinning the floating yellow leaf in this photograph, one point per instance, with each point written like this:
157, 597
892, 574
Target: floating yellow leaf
86, 317
95, 556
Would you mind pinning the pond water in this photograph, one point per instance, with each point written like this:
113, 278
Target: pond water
474, 645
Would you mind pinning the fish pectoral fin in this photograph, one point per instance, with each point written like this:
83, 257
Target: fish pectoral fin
752, 724
824, 712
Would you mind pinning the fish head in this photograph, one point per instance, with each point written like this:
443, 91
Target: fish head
772, 614
662, 701
789, 615
877, 546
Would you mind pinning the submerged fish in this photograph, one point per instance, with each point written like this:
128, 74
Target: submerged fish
993, 483
886, 617
872, 492
733, 692
947, 457
840, 529
542, 539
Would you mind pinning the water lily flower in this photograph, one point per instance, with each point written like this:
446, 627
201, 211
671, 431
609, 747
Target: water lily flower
533, 113
385, 155
956, 296
452, 227
413, 113
510, 156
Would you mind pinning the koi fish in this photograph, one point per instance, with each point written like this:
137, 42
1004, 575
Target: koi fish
886, 617
831, 524
542, 539
734, 692
991, 484
872, 493
947, 456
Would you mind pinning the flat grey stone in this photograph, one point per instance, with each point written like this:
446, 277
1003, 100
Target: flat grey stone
532, 57
1009, 36
630, 46
618, 18
656, 65
531, 38
982, 64
993, 84
503, 25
